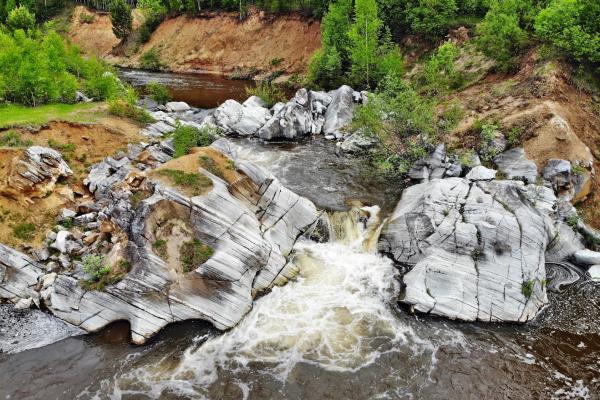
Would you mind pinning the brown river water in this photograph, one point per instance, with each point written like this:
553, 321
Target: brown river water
336, 332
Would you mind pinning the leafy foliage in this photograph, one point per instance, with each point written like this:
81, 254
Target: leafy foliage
121, 18
158, 92
572, 26
267, 91
187, 137
20, 18
150, 60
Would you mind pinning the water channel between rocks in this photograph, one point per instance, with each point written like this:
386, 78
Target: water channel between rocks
335, 331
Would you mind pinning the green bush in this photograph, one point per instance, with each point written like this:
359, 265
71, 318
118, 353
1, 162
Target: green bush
573, 26
430, 18
186, 138
404, 122
158, 92
267, 91
150, 60
93, 265
439, 73
195, 184
500, 35
85, 18
20, 18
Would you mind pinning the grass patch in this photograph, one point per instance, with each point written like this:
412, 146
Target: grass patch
193, 254
160, 248
14, 139
15, 115
24, 231
122, 108
193, 184
211, 166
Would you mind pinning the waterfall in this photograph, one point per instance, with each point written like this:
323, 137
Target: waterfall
337, 315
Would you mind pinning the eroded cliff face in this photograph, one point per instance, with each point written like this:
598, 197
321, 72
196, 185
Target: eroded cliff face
218, 43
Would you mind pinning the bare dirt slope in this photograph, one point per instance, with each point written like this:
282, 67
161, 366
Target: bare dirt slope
218, 43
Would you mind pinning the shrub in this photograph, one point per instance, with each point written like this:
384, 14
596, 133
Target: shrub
121, 18
573, 26
430, 18
93, 265
150, 60
186, 138
500, 35
267, 91
527, 288
123, 108
20, 18
325, 68
193, 254
158, 92
85, 18
439, 73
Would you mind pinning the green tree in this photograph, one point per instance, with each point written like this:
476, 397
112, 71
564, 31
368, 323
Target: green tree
20, 18
439, 73
328, 64
500, 35
364, 41
573, 26
121, 18
430, 18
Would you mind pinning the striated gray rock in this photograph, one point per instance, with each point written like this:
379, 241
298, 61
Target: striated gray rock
297, 119
250, 223
254, 101
587, 257
340, 110
243, 120
515, 165
435, 166
19, 275
477, 249
558, 172
357, 142
564, 244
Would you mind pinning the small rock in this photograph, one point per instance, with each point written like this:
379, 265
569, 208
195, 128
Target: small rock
52, 266
558, 172
594, 272
64, 261
42, 254
177, 106
66, 214
60, 243
24, 304
481, 173
587, 257
515, 165
48, 280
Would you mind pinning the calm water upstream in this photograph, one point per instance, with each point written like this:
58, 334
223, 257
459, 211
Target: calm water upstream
334, 333
198, 90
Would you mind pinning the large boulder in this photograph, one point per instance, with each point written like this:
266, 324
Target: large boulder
243, 120
515, 165
34, 173
340, 110
248, 219
477, 249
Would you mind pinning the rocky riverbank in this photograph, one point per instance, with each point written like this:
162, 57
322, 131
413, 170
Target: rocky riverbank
198, 237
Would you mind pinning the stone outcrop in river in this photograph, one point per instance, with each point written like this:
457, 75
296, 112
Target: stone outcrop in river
308, 113
183, 252
477, 248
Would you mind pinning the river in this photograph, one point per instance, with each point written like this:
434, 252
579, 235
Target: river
336, 332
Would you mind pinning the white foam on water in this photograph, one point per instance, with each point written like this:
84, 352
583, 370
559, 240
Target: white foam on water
337, 315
